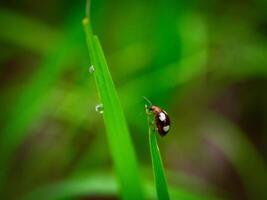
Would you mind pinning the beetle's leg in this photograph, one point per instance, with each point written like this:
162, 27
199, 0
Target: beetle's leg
147, 110
151, 122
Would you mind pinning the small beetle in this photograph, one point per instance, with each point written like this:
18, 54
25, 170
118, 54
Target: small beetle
161, 118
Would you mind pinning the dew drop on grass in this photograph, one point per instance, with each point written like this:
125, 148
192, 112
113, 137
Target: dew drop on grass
99, 108
91, 69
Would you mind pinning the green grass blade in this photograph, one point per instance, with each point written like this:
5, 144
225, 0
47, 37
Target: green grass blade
158, 169
160, 179
121, 147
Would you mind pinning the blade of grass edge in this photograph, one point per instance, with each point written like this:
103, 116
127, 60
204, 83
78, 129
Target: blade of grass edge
157, 165
121, 147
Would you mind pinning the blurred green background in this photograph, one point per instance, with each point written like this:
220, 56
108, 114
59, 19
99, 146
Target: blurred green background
204, 62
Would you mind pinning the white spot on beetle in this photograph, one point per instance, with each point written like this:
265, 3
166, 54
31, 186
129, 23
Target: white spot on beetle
166, 128
162, 116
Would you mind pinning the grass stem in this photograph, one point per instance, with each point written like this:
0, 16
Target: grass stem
158, 169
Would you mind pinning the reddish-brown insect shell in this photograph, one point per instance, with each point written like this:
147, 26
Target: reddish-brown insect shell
162, 120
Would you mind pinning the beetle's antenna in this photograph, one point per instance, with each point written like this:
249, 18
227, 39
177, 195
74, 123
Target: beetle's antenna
148, 101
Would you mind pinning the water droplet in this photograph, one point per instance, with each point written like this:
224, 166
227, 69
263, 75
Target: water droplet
91, 69
99, 108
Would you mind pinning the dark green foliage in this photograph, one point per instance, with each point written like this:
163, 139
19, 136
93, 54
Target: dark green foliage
203, 61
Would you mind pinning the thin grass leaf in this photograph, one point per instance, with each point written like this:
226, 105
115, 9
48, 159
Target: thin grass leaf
158, 169
160, 179
120, 143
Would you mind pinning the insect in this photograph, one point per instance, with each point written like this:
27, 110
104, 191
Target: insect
161, 118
